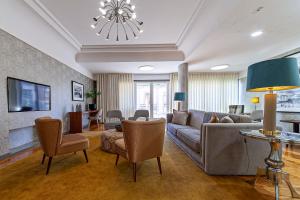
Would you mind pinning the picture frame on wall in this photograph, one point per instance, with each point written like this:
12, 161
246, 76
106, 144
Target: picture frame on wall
288, 101
77, 91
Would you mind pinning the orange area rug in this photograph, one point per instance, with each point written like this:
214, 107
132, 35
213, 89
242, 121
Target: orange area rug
72, 178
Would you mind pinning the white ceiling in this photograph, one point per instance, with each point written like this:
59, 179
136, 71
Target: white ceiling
208, 32
164, 19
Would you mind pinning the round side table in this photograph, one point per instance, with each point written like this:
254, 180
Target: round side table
274, 163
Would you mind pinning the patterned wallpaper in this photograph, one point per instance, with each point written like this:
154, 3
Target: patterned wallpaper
20, 60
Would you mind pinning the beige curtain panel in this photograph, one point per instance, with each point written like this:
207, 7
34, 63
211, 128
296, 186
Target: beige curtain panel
208, 91
117, 93
213, 91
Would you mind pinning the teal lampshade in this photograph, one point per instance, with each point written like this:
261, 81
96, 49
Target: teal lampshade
179, 96
276, 74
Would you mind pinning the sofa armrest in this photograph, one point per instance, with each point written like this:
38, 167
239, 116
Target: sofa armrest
226, 152
169, 117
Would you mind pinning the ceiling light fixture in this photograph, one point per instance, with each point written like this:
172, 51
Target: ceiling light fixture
256, 33
118, 16
219, 67
146, 68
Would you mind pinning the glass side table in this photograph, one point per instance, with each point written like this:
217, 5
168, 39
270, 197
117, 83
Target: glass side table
274, 163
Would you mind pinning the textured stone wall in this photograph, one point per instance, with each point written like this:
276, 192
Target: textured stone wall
20, 60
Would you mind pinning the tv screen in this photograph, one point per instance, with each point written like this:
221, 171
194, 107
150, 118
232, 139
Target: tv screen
27, 96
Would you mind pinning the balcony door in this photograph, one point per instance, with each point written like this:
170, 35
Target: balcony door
152, 96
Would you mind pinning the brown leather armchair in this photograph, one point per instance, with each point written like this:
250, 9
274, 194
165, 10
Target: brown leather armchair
53, 142
143, 140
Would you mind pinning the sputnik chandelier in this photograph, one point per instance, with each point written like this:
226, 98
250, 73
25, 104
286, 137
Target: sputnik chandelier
116, 17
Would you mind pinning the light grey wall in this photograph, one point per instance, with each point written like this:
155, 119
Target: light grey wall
20, 60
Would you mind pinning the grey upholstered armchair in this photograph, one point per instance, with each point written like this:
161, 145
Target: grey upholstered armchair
113, 118
140, 113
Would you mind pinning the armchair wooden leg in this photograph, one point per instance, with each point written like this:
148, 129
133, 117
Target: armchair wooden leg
85, 155
134, 172
117, 159
49, 165
159, 165
44, 156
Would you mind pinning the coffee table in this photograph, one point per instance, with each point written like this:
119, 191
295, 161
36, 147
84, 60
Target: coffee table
274, 163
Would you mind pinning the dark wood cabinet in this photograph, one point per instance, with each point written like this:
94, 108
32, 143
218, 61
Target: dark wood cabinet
75, 122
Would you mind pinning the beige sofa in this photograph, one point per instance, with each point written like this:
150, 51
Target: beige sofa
218, 148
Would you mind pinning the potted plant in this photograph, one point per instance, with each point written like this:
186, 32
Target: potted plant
92, 95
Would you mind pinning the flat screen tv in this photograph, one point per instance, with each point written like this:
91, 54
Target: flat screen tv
26, 96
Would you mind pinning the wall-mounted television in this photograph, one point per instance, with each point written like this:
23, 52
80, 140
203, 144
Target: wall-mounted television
23, 96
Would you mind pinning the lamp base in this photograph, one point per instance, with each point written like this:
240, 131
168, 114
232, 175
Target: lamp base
269, 133
269, 124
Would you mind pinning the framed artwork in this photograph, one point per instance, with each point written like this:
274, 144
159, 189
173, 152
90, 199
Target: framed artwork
288, 100
77, 91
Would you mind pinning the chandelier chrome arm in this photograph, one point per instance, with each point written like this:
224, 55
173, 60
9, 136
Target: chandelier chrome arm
125, 31
115, 12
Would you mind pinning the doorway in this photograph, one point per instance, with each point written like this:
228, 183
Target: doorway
152, 96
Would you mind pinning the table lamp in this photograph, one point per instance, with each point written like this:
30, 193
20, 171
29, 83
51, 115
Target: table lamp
255, 100
179, 96
268, 76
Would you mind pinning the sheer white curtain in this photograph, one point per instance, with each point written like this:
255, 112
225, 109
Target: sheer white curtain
126, 95
117, 93
173, 87
213, 91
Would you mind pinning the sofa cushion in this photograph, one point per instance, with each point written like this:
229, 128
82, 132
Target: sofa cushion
172, 128
191, 137
196, 118
241, 118
235, 118
180, 117
214, 119
226, 119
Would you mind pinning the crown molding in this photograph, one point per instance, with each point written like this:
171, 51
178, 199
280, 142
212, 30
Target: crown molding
191, 21
41, 9
129, 48
137, 56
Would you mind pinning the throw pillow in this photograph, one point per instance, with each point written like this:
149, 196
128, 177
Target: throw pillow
214, 119
226, 119
180, 117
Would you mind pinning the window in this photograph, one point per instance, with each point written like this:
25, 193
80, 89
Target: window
152, 96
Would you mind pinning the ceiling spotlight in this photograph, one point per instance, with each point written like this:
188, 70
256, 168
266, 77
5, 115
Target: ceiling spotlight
256, 33
128, 1
219, 67
141, 31
146, 68
132, 7
93, 26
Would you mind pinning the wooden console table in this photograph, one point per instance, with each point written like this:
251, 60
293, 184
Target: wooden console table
76, 120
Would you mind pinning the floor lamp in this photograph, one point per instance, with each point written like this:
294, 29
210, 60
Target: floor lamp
179, 96
269, 76
255, 100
